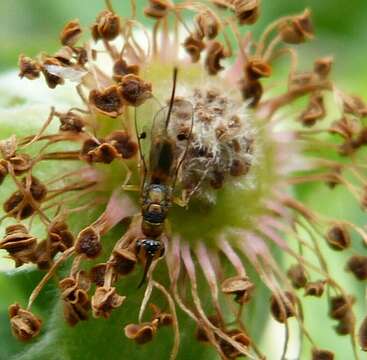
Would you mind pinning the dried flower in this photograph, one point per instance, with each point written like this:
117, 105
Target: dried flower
104, 301
107, 26
71, 33
108, 101
24, 325
29, 68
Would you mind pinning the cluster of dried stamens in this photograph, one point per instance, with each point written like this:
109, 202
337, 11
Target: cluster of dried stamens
222, 146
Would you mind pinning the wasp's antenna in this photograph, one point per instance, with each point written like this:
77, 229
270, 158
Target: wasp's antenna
146, 269
175, 72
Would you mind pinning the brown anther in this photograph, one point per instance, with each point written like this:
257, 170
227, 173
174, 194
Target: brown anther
239, 167
21, 163
164, 319
3, 170
207, 24
88, 148
362, 335
43, 255
314, 111
322, 67
71, 121
194, 46
297, 30
104, 153
104, 301
71, 33
252, 91
281, 309
123, 143
257, 68
75, 297
344, 127
354, 105
19, 244
319, 354
107, 101
247, 11
24, 325
37, 189
60, 237
357, 264
141, 333
239, 337
297, 276
88, 243
107, 26
51, 79
301, 80
315, 288
340, 306
215, 54
239, 286
28, 67
157, 9
346, 324
97, 274
134, 90
121, 68
123, 261
65, 55
338, 237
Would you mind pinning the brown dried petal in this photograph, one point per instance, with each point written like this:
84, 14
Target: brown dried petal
123, 144
257, 68
297, 275
71, 33
105, 300
208, 24
239, 286
247, 11
354, 105
24, 325
124, 261
338, 237
215, 54
108, 25
73, 313
104, 153
97, 274
157, 9
282, 310
28, 67
314, 111
297, 30
107, 101
65, 55
43, 255
238, 336
134, 90
357, 264
15, 206
121, 68
71, 121
194, 46
21, 163
60, 237
88, 243
315, 288
141, 333
362, 335
251, 91
322, 67
319, 354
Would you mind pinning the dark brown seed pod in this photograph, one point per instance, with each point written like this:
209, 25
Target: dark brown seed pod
239, 286
298, 30
107, 101
215, 54
247, 11
357, 264
338, 237
297, 275
123, 261
24, 325
362, 335
88, 243
346, 324
315, 288
340, 306
157, 9
323, 66
104, 301
107, 26
141, 333
319, 354
252, 91
314, 111
134, 90
71, 33
28, 68
208, 24
71, 121
281, 309
194, 46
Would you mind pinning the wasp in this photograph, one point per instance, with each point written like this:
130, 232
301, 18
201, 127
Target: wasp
170, 137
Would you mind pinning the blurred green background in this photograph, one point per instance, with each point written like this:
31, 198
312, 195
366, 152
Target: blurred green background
29, 27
